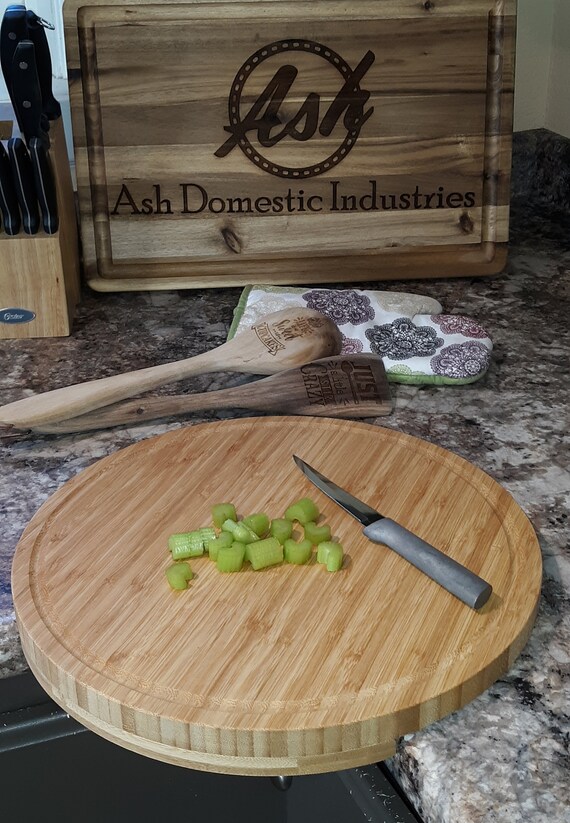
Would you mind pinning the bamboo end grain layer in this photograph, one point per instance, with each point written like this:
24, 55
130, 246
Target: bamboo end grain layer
291, 670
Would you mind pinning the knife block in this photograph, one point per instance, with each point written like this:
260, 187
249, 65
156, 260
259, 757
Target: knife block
39, 274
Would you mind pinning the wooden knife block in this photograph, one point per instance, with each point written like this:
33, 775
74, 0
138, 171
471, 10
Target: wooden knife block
40, 273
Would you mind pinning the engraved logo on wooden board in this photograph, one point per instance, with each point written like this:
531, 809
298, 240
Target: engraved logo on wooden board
296, 109
288, 123
269, 119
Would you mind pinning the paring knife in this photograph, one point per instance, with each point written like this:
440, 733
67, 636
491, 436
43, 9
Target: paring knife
8, 200
23, 177
458, 580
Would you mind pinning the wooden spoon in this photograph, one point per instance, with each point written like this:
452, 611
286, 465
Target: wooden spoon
278, 341
350, 386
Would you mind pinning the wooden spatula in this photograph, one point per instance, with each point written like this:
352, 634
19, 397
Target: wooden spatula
278, 341
349, 386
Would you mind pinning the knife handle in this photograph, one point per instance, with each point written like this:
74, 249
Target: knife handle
45, 187
8, 200
37, 34
14, 27
26, 93
23, 177
459, 581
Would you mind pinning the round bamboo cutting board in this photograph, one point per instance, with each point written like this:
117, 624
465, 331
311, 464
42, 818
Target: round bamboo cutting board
289, 670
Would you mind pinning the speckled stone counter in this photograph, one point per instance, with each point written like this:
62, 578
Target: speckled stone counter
504, 758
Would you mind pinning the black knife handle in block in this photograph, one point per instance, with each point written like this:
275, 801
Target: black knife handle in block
37, 34
13, 29
8, 201
45, 186
454, 577
26, 94
23, 177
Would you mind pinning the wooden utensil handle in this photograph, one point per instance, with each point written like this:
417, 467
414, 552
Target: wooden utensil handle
153, 408
450, 574
360, 390
71, 401
279, 341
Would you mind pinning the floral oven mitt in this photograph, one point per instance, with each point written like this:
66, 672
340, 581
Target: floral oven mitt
418, 344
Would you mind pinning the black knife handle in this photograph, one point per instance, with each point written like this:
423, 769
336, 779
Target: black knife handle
457, 579
37, 34
8, 200
45, 186
23, 177
26, 92
13, 29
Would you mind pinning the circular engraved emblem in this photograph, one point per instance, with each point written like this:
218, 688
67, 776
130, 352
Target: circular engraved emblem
266, 115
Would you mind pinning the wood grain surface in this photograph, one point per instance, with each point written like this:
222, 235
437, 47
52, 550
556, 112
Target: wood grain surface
347, 387
40, 272
440, 93
276, 342
291, 670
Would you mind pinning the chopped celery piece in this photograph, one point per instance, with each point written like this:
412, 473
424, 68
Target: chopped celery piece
263, 553
259, 523
303, 510
186, 544
207, 533
224, 540
223, 511
230, 558
281, 529
335, 558
178, 575
330, 554
317, 534
298, 553
240, 532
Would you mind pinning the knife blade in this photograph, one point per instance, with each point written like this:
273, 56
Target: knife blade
8, 200
37, 34
448, 573
23, 177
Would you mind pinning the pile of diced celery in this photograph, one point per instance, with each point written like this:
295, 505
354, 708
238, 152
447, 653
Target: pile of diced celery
256, 539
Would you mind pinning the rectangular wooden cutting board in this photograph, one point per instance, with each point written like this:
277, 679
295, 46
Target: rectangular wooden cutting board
230, 142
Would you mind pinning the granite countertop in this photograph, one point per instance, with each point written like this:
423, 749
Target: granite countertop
504, 757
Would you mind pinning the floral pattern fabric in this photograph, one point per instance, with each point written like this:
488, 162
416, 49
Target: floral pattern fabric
345, 306
402, 339
418, 343
458, 324
461, 360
